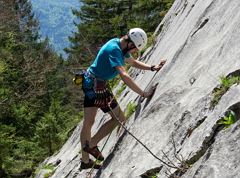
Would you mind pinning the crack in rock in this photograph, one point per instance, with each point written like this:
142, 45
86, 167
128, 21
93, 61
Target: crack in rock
208, 141
151, 172
217, 98
201, 26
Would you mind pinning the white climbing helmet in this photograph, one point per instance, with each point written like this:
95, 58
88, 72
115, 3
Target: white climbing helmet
138, 37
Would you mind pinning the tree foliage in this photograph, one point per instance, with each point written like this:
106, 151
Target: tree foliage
35, 98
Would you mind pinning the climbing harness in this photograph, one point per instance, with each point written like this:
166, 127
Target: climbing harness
103, 93
100, 87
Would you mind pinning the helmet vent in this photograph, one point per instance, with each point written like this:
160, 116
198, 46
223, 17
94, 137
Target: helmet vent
138, 37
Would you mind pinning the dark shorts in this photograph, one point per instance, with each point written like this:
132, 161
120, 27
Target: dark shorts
90, 95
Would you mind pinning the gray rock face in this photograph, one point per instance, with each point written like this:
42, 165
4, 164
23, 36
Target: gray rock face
200, 40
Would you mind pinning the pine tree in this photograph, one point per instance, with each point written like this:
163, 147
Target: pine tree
30, 75
48, 130
6, 143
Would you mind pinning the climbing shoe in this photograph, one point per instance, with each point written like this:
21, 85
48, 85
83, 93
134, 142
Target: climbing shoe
94, 152
90, 164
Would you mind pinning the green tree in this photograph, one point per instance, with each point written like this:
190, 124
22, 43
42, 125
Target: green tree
30, 75
50, 129
6, 143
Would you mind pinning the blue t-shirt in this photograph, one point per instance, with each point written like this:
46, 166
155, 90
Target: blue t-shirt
109, 57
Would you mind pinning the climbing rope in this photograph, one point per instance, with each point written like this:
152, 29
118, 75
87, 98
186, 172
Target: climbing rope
122, 125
